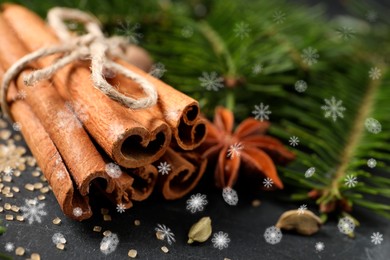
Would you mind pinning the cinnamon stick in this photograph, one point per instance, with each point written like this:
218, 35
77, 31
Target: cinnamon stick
131, 140
187, 168
48, 157
145, 179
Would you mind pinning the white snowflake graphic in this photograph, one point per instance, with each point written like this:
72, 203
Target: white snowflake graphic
9, 247
294, 141
211, 81
310, 172
67, 119
257, 68
234, 150
33, 211
120, 208
350, 181
187, 31
230, 196
300, 86
279, 17
17, 126
158, 70
167, 233
22, 94
164, 168
373, 126
241, 30
310, 56
345, 32
60, 174
371, 163
113, 170
78, 109
346, 225
376, 238
273, 235
333, 108
109, 243
130, 32
375, 73
302, 209
196, 203
372, 16
261, 112
8, 171
220, 240
58, 238
77, 212
116, 131
319, 246
268, 182
172, 114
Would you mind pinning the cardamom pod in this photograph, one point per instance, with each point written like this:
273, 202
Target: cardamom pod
200, 231
306, 223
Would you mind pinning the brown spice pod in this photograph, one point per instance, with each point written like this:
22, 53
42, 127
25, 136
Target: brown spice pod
130, 140
306, 223
187, 168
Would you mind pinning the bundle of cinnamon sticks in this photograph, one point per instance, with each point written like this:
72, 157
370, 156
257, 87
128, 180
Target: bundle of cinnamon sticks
80, 137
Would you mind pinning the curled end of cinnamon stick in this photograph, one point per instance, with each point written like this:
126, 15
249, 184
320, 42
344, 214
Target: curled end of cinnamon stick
145, 179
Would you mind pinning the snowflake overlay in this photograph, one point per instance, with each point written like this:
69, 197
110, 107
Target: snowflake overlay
268, 182
273, 235
310, 56
350, 181
241, 30
158, 70
164, 168
319, 246
120, 208
109, 243
279, 17
345, 33
234, 150
167, 233
310, 172
187, 31
371, 163
220, 240
211, 81
373, 126
333, 108
8, 171
116, 131
77, 212
196, 203
58, 238
376, 238
375, 73
300, 86
60, 175
9, 247
346, 225
294, 141
301, 209
230, 196
17, 126
22, 94
130, 32
33, 211
113, 170
261, 112
257, 68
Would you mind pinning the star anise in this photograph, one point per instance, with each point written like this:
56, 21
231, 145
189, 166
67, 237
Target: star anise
247, 146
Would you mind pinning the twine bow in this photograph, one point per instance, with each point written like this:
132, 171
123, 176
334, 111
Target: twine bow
94, 46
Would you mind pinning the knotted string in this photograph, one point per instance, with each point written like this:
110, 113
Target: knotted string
92, 45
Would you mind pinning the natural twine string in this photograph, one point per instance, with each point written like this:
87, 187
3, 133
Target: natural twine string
92, 45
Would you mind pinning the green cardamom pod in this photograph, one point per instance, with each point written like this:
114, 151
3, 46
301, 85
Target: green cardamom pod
200, 231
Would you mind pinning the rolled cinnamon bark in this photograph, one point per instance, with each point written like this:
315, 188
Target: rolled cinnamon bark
187, 168
48, 157
80, 155
145, 179
130, 140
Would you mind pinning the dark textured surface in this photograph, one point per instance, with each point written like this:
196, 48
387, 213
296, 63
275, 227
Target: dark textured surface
244, 224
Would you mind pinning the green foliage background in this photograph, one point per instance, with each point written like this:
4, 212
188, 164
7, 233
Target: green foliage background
335, 149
